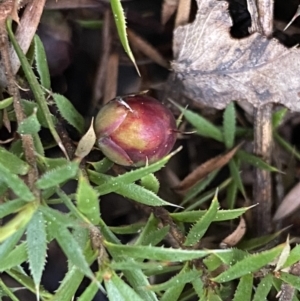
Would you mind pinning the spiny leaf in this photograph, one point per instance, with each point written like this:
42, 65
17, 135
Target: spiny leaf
41, 63
255, 161
203, 127
13, 163
18, 221
29, 125
151, 233
68, 112
229, 125
221, 215
69, 245
17, 256
244, 289
131, 191
158, 253
150, 182
121, 27
10, 243
235, 174
36, 247
293, 280
117, 289
198, 230
57, 176
11, 206
15, 184
263, 288
102, 166
87, 200
181, 278
249, 264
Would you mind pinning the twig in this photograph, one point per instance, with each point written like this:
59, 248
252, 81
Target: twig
262, 21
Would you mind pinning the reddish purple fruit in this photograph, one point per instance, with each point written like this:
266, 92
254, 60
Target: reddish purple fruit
134, 130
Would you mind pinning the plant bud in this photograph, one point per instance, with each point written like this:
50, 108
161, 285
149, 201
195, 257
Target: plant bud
134, 130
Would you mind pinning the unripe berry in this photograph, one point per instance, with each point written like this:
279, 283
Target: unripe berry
134, 130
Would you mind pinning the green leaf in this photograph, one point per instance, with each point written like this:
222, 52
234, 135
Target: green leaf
151, 233
117, 289
231, 194
263, 288
158, 253
128, 229
69, 245
150, 182
41, 63
13, 163
18, 221
69, 113
244, 289
212, 262
6, 103
131, 191
198, 230
250, 264
121, 27
10, 243
199, 186
90, 292
229, 125
51, 163
29, 125
203, 127
278, 117
6, 291
255, 161
222, 215
198, 287
293, 280
112, 184
103, 165
11, 206
34, 85
134, 265
15, 184
57, 176
17, 256
36, 246
236, 255
88, 200
180, 279
235, 174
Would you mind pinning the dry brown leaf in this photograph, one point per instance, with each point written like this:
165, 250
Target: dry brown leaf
289, 205
234, 238
204, 169
168, 9
215, 69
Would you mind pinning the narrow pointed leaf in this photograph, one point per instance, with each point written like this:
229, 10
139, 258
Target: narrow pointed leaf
263, 288
198, 230
203, 127
87, 200
150, 182
57, 176
10, 243
221, 215
121, 27
181, 278
18, 221
198, 287
36, 246
293, 280
17, 256
244, 289
6, 103
293, 257
117, 289
11, 206
69, 113
13, 163
229, 125
70, 246
41, 63
29, 125
248, 265
16, 184
235, 174
159, 253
